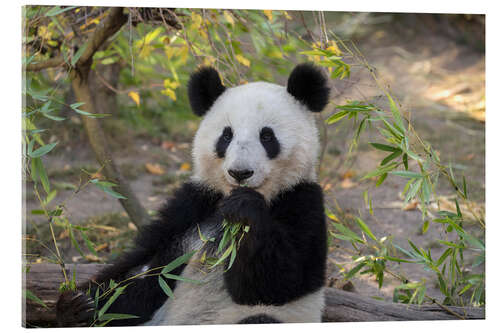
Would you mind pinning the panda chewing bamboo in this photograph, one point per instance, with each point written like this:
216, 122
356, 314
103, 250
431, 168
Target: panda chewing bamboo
261, 135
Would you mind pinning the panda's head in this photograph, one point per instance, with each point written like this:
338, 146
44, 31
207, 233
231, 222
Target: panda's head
261, 135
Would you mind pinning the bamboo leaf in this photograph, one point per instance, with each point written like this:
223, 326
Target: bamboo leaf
42, 150
384, 147
29, 295
365, 228
164, 286
177, 262
336, 117
110, 301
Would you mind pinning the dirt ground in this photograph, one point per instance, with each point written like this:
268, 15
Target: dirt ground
438, 80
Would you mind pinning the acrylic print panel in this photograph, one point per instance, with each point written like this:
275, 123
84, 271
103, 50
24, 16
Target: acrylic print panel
333, 168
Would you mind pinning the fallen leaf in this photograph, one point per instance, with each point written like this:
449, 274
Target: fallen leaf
154, 169
93, 258
167, 145
470, 157
327, 187
348, 174
63, 234
411, 206
347, 183
101, 247
185, 167
132, 226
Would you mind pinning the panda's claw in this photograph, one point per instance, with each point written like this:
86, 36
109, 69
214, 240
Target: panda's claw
74, 308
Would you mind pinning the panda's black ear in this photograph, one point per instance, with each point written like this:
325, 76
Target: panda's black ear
204, 88
309, 86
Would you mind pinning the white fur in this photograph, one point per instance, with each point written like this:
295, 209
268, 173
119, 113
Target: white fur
247, 109
210, 303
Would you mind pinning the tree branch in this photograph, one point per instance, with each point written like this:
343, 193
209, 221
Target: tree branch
116, 18
341, 306
50, 63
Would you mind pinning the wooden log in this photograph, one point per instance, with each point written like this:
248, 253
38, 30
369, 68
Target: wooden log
43, 280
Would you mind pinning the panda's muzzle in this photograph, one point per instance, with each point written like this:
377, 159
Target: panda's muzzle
240, 175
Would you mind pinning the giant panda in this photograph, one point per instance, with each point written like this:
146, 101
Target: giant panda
254, 162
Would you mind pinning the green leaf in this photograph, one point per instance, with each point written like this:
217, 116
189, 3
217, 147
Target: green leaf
224, 255
29, 295
464, 187
74, 242
78, 54
52, 117
443, 257
381, 179
112, 316
43, 150
348, 233
164, 286
365, 228
38, 172
106, 187
88, 243
110, 301
398, 259
405, 161
233, 257
336, 117
413, 190
177, 262
395, 113
180, 278
391, 157
407, 174
57, 10
353, 271
425, 227
75, 108
381, 170
384, 147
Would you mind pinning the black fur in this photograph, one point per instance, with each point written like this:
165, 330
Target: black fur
269, 142
74, 309
309, 86
223, 142
283, 256
156, 245
259, 319
204, 88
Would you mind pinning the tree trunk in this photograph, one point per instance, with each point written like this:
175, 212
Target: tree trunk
79, 77
43, 280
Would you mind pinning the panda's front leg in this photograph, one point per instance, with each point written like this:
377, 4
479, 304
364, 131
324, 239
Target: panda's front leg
268, 268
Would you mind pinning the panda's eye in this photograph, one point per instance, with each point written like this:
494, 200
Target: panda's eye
266, 134
266, 137
269, 142
227, 134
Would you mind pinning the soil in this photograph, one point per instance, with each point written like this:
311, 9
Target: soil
439, 81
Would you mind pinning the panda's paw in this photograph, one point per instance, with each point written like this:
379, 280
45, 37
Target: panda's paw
74, 308
243, 205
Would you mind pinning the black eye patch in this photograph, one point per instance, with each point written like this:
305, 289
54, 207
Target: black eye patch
223, 142
269, 142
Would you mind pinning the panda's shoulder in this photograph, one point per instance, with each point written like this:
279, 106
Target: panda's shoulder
305, 196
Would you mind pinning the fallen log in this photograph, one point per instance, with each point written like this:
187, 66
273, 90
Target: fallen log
43, 280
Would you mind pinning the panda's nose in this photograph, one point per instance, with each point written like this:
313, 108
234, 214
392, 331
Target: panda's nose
240, 175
